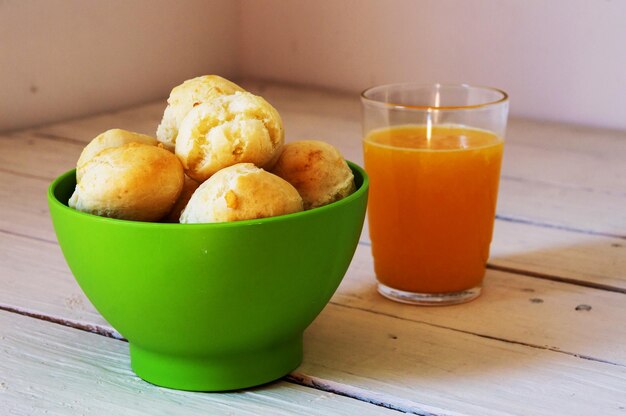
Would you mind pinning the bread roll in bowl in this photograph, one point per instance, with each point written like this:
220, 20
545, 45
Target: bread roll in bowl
231, 129
241, 192
189, 187
186, 96
317, 170
108, 139
134, 181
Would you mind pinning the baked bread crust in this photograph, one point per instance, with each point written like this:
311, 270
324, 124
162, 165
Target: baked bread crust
231, 129
108, 139
134, 181
241, 192
186, 96
317, 170
189, 187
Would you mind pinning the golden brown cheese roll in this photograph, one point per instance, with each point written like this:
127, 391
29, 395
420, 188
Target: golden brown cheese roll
132, 182
241, 192
237, 128
186, 96
189, 187
317, 170
108, 139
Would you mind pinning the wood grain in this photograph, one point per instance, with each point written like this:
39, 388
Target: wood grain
576, 252
514, 307
556, 175
48, 369
142, 119
25, 207
532, 344
36, 156
560, 255
455, 371
35, 279
589, 259
433, 366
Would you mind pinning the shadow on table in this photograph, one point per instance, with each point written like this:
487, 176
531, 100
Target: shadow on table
520, 325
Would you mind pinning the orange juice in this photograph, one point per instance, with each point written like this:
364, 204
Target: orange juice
432, 205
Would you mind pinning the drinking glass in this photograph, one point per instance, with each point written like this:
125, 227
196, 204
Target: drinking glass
433, 154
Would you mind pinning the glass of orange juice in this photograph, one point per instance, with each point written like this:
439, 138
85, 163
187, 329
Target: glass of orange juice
433, 156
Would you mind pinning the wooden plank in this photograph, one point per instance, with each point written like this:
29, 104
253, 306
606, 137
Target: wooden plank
43, 284
515, 245
24, 206
558, 254
591, 159
37, 157
37, 280
142, 119
506, 310
560, 175
493, 351
568, 176
545, 314
552, 252
50, 369
475, 375
556, 153
580, 210
410, 366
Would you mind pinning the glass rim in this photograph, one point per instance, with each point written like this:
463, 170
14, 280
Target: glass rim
388, 104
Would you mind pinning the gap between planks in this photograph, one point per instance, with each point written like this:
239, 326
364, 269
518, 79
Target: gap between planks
30, 237
491, 337
555, 278
507, 218
513, 270
111, 333
390, 402
557, 227
544, 276
561, 185
25, 175
378, 399
57, 138
317, 383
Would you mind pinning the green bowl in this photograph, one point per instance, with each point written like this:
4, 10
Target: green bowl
211, 306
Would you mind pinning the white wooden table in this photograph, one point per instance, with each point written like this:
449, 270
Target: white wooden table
547, 337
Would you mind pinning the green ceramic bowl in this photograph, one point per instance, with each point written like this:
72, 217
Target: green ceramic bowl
211, 306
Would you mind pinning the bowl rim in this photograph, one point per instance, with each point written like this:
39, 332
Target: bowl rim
363, 189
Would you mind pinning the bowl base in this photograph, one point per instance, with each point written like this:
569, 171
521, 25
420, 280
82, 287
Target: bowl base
217, 373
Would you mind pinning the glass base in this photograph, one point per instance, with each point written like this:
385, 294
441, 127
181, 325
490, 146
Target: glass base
429, 299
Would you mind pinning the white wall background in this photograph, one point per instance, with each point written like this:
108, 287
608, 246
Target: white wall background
559, 59
66, 58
